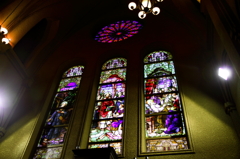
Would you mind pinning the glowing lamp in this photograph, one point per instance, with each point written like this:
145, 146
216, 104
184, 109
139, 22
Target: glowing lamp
224, 73
132, 5
5, 40
3, 30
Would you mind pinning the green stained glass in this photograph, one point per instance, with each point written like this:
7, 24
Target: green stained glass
69, 84
159, 69
158, 56
115, 75
114, 63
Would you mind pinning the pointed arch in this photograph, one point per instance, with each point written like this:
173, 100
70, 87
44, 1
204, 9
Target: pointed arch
55, 128
107, 122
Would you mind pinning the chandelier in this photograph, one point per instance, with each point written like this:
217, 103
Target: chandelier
145, 7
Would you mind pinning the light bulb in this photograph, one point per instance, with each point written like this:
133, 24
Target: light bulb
224, 73
160, 0
142, 14
155, 11
132, 5
5, 40
4, 30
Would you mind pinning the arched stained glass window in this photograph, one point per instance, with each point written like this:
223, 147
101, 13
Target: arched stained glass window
56, 126
107, 121
164, 120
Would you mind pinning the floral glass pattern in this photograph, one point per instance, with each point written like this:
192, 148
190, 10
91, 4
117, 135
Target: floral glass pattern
118, 31
56, 125
164, 120
108, 116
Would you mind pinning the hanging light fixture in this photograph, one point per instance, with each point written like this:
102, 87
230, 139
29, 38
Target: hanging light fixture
4, 32
145, 7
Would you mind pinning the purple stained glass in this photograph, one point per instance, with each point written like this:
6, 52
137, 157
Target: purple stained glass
164, 125
162, 103
69, 84
118, 31
73, 71
160, 85
111, 91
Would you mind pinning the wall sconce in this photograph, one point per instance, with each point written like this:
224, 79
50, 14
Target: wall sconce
5, 40
4, 32
224, 72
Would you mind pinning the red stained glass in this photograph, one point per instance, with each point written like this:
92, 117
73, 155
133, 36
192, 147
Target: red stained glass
118, 31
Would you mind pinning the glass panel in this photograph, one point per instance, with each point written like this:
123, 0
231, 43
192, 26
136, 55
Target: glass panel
164, 125
115, 63
159, 69
172, 144
113, 76
52, 136
74, 71
109, 109
106, 130
59, 116
116, 145
110, 91
158, 56
48, 153
64, 99
69, 84
160, 85
162, 103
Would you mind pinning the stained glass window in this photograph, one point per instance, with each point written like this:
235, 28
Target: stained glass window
56, 125
118, 31
108, 116
164, 120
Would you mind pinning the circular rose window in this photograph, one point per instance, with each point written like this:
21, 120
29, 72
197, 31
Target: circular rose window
118, 31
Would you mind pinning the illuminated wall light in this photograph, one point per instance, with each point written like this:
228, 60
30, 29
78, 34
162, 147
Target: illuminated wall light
224, 73
3, 30
5, 40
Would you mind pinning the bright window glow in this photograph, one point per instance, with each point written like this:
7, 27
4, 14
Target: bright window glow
224, 73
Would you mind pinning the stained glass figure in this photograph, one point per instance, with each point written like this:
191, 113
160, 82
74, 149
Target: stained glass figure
109, 109
164, 125
118, 31
107, 122
56, 125
163, 111
162, 103
173, 144
111, 91
161, 85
